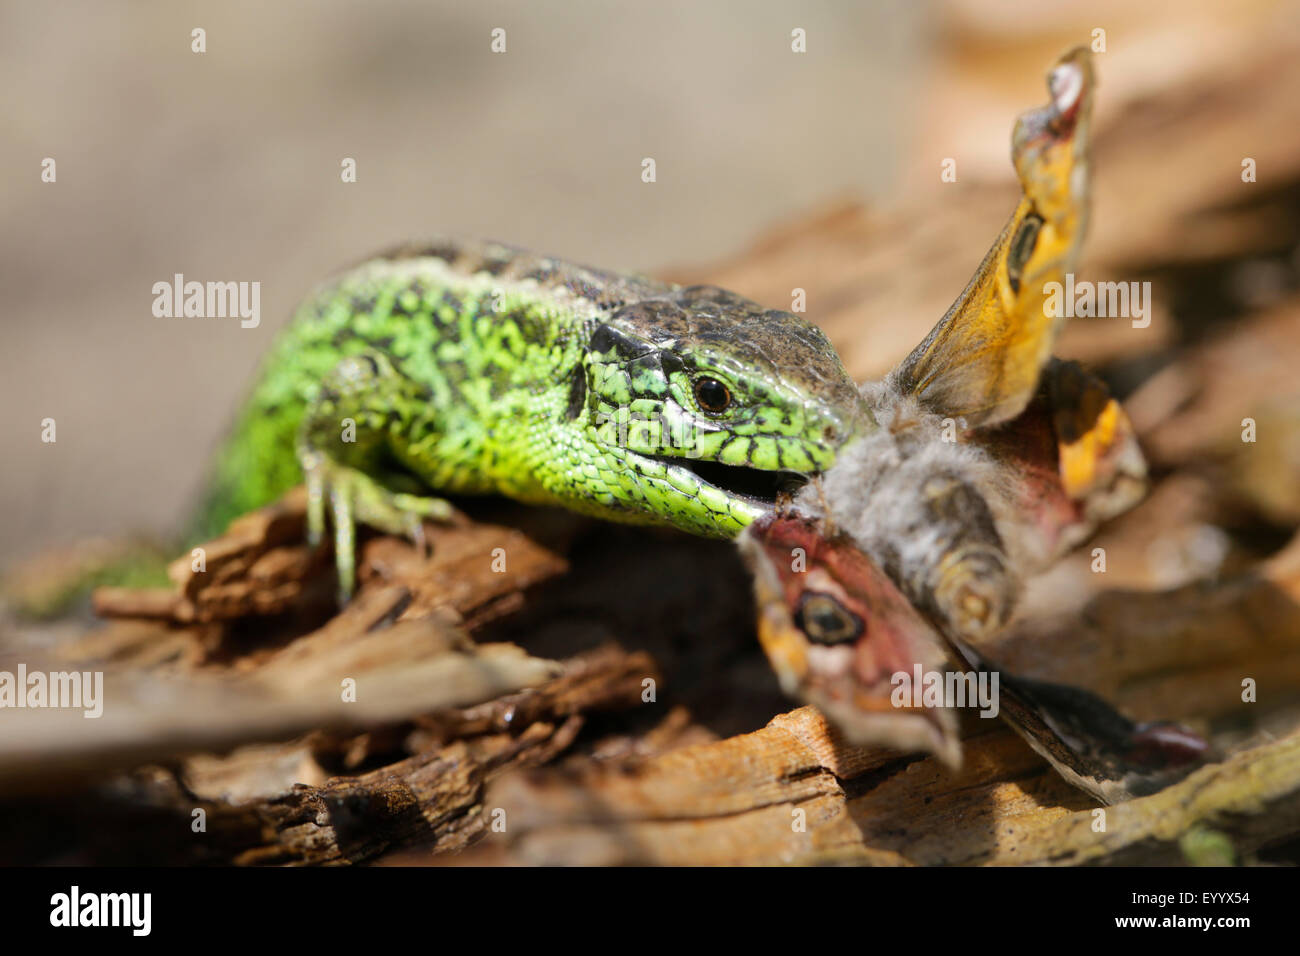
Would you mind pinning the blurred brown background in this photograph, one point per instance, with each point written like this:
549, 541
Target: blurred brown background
225, 166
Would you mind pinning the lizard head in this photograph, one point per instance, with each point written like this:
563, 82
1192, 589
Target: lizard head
716, 405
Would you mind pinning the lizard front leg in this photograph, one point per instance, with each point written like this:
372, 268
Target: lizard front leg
345, 450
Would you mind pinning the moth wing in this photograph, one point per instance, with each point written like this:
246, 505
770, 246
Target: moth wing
851, 679
983, 359
1068, 462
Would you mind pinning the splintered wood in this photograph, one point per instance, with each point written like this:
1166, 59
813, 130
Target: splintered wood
541, 689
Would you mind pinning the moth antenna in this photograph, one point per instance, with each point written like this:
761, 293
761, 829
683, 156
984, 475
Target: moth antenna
828, 522
781, 506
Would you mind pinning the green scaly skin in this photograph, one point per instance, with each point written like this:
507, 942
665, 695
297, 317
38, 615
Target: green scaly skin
475, 368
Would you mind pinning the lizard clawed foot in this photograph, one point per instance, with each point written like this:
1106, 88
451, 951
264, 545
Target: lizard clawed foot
355, 498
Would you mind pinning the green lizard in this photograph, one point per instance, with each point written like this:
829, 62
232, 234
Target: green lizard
476, 368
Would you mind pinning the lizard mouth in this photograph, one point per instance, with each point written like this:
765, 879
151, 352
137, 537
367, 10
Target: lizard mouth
740, 481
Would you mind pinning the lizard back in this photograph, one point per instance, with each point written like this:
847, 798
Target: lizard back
482, 327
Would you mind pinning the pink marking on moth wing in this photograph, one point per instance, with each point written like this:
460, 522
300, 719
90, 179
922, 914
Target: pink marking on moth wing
1162, 744
895, 637
1065, 83
1028, 457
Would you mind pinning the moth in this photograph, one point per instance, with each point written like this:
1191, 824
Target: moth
988, 460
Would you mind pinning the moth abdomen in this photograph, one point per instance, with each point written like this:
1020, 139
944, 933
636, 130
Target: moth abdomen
974, 591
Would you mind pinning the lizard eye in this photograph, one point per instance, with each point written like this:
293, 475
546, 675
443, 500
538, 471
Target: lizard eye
826, 621
712, 395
